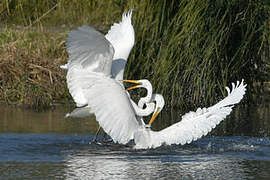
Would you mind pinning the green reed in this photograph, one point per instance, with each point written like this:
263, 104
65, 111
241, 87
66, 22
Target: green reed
189, 50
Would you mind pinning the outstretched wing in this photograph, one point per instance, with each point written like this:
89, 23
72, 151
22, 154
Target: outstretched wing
89, 51
194, 125
89, 83
121, 35
111, 105
113, 110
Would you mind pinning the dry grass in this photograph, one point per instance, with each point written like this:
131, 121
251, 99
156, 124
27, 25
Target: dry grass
29, 68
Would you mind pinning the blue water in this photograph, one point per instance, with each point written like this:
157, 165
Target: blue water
45, 145
73, 156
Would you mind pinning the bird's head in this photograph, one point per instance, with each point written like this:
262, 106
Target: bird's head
139, 83
158, 98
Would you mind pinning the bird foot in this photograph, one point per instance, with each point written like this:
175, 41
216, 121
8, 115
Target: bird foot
107, 140
96, 142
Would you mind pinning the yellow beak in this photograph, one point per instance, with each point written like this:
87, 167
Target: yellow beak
134, 82
154, 117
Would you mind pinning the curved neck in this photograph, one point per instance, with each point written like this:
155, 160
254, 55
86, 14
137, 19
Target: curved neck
143, 112
146, 99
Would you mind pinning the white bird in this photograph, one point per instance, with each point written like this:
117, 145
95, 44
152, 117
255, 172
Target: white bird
147, 100
122, 37
90, 83
193, 125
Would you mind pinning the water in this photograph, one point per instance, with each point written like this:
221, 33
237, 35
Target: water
44, 145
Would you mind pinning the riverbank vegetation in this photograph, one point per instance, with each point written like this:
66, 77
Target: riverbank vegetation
189, 50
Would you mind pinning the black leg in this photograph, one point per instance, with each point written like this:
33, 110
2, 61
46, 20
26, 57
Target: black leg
95, 138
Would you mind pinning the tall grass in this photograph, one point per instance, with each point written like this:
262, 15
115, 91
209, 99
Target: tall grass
29, 68
189, 50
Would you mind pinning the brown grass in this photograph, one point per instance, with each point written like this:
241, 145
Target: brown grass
29, 68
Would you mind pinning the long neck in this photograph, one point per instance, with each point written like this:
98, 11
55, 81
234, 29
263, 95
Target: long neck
143, 112
146, 99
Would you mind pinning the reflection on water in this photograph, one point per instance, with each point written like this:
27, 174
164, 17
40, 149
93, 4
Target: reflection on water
71, 156
252, 121
158, 164
45, 145
21, 120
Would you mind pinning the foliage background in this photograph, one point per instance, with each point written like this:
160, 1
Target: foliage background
189, 50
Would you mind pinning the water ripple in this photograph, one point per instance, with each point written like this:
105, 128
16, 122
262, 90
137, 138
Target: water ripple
72, 156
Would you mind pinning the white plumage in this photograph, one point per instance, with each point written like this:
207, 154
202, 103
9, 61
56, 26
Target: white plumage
88, 51
122, 36
193, 125
113, 110
93, 84
80, 46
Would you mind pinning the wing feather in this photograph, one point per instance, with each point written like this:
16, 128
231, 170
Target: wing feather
89, 49
121, 35
88, 79
109, 101
193, 125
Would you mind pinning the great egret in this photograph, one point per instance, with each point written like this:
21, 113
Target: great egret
147, 100
121, 36
193, 125
90, 83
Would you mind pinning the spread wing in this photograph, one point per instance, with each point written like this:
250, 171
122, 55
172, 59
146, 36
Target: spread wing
121, 35
89, 83
89, 51
194, 125
110, 102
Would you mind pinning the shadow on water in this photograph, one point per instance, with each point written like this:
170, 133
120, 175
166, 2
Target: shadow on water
45, 145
